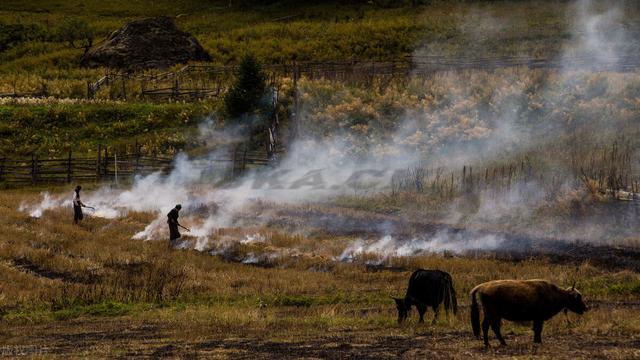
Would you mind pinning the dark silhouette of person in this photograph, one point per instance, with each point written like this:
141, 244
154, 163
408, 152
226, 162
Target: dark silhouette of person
77, 205
172, 220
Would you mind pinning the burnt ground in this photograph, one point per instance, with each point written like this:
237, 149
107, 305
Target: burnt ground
126, 338
25, 265
176, 336
514, 246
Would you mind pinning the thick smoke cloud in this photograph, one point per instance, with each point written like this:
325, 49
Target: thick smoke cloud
316, 170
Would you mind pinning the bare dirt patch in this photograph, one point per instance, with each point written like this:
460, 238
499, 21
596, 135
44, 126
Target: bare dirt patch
122, 338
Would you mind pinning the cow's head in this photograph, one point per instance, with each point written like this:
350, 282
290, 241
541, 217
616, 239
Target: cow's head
403, 309
575, 302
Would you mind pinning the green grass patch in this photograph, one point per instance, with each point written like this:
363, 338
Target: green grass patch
35, 56
106, 308
632, 288
100, 309
81, 127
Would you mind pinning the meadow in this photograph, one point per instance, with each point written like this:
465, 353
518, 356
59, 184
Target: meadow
434, 114
35, 57
81, 126
543, 161
92, 290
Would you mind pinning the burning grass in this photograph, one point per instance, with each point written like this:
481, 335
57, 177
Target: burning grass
80, 275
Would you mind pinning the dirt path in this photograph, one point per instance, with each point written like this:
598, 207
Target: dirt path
126, 338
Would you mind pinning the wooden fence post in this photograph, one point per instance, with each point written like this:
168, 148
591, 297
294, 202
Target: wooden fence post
69, 168
296, 100
115, 166
244, 158
2, 168
464, 177
98, 163
373, 73
451, 188
176, 87
34, 172
137, 168
106, 162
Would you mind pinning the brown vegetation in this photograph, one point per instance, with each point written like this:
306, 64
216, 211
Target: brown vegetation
113, 295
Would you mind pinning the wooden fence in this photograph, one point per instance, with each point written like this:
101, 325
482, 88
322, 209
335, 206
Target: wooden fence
106, 167
201, 81
608, 170
449, 183
193, 82
21, 171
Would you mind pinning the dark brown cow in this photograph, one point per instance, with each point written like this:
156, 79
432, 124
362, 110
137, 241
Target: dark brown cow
427, 288
520, 300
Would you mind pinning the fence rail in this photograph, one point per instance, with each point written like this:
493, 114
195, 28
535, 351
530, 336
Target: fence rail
114, 167
198, 81
193, 82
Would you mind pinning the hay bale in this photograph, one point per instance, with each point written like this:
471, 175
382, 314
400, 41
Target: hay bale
146, 43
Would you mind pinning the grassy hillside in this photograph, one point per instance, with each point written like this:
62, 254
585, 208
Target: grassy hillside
52, 128
278, 33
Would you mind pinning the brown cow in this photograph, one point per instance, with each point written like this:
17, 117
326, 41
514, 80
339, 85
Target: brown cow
520, 300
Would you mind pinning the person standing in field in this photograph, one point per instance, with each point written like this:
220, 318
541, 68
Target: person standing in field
77, 205
172, 220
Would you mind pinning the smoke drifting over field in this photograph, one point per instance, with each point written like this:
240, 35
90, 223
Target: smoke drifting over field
319, 169
442, 241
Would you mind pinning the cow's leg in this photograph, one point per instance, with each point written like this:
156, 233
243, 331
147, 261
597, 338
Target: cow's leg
421, 310
485, 330
435, 315
537, 331
495, 326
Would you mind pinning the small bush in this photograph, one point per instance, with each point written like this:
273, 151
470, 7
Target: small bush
294, 300
15, 34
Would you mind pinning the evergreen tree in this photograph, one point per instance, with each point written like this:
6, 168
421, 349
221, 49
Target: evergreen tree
249, 89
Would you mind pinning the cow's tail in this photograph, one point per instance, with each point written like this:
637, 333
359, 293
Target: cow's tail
450, 300
475, 313
454, 299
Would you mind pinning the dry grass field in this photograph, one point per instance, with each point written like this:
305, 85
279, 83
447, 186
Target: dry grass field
506, 173
92, 291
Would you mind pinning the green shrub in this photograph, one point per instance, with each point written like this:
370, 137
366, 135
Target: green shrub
14, 34
246, 94
294, 300
77, 33
625, 289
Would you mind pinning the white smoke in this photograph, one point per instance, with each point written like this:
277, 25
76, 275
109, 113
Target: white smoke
442, 241
254, 238
317, 170
48, 202
599, 32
